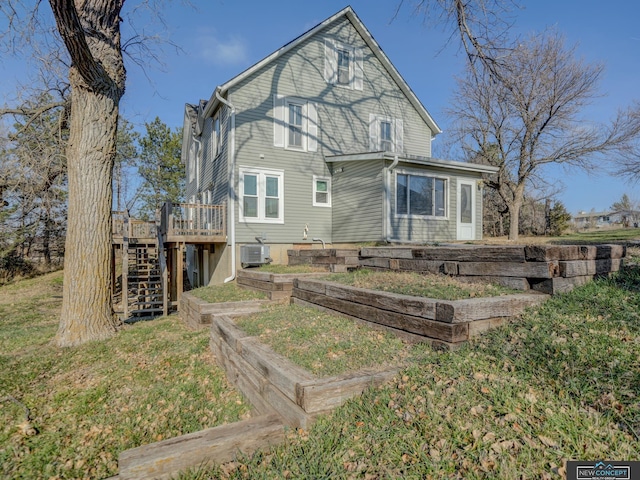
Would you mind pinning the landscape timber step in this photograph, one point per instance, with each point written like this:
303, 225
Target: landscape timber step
165, 459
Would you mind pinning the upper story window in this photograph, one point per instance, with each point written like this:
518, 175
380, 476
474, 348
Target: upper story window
343, 65
344, 68
421, 195
385, 134
262, 196
295, 123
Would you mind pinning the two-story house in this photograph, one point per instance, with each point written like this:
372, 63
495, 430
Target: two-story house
324, 140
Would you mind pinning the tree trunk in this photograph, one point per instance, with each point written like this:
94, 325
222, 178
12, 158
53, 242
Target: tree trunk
514, 220
87, 311
90, 30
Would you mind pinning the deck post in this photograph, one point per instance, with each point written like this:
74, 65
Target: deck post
125, 267
179, 270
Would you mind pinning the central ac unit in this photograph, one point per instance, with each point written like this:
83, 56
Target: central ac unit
254, 254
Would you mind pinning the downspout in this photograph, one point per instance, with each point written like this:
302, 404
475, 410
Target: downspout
387, 199
231, 163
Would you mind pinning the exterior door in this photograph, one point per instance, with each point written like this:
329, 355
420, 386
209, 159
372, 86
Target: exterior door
466, 210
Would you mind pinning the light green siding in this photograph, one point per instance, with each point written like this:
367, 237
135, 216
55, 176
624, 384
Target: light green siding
358, 210
343, 127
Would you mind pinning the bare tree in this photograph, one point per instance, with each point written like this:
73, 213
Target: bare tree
528, 117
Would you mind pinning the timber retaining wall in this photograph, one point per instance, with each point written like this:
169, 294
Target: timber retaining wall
548, 269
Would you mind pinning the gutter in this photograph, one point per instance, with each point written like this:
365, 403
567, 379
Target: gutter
387, 199
231, 164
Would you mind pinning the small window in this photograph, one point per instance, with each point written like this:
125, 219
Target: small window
262, 196
420, 195
295, 123
386, 141
321, 192
385, 134
343, 67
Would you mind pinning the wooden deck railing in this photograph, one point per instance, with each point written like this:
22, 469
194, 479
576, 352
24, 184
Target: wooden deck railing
192, 220
123, 226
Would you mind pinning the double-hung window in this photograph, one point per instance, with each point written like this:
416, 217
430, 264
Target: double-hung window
262, 195
421, 195
385, 134
321, 191
343, 65
295, 123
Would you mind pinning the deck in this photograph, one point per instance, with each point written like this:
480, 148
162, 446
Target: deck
193, 223
179, 223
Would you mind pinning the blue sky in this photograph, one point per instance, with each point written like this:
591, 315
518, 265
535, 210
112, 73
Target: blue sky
218, 39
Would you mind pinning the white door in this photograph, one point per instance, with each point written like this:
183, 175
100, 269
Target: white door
466, 210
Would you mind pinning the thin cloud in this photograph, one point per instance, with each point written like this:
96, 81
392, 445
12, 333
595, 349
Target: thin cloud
222, 52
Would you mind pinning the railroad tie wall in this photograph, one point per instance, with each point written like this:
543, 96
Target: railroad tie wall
545, 268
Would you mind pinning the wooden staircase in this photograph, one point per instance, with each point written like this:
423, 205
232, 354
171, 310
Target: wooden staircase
142, 286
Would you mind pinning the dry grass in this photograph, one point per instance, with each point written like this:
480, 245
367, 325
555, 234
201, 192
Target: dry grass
417, 284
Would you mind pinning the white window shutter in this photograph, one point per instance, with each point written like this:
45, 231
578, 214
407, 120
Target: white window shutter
373, 133
278, 120
330, 62
312, 127
358, 72
399, 140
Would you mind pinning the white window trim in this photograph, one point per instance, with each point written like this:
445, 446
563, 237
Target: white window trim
281, 123
416, 173
397, 133
261, 174
325, 179
356, 71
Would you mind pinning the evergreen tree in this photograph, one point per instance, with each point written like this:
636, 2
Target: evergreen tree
160, 167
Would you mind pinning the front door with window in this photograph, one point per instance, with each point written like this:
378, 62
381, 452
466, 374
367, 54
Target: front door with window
466, 210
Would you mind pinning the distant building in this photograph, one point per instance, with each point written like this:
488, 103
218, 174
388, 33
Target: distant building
610, 218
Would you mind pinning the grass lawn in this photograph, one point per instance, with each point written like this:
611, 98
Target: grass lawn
322, 343
561, 384
420, 285
285, 269
154, 380
228, 292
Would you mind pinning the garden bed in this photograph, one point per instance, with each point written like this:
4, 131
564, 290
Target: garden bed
442, 323
275, 286
273, 383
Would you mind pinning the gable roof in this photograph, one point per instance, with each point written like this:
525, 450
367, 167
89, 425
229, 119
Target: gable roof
348, 13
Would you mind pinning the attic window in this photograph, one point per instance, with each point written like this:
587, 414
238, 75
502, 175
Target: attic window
343, 65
